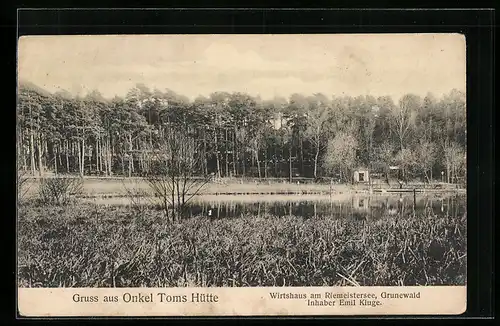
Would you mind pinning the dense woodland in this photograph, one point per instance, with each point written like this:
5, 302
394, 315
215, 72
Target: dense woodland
238, 135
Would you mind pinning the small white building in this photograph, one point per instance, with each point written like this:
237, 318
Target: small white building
361, 175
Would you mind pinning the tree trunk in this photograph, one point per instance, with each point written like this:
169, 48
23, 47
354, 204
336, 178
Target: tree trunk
252, 162
316, 162
234, 154
83, 157
133, 157
129, 166
79, 158
67, 156
276, 162
290, 163
447, 173
104, 153
123, 163
258, 162
370, 152
46, 155
109, 155
59, 148
104, 158
130, 157
217, 153
97, 155
301, 141
141, 164
112, 150
79, 146
39, 145
32, 152
23, 153
179, 205
299, 152
205, 161
55, 158
427, 176
265, 164
243, 162
227, 156
104, 150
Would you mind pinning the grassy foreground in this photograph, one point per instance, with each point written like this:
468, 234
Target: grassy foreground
91, 246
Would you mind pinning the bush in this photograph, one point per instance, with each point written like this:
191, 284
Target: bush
58, 190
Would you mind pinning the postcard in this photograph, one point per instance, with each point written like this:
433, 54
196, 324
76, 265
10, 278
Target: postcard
241, 175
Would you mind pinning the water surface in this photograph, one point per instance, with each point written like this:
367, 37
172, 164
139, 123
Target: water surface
358, 206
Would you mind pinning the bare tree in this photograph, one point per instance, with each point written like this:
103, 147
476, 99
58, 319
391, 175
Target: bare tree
255, 145
173, 179
315, 126
369, 128
404, 117
425, 154
454, 157
59, 190
406, 161
341, 154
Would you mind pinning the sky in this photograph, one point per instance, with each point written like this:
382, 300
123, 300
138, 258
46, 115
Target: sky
264, 65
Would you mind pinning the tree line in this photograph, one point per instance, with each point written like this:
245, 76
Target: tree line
238, 135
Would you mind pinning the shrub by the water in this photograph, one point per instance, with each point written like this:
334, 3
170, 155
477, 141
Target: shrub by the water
58, 190
89, 246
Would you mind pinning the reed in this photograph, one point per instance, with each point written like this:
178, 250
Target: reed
90, 245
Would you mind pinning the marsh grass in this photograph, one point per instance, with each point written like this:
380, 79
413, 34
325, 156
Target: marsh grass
98, 246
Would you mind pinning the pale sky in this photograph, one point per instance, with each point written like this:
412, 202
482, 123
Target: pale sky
265, 65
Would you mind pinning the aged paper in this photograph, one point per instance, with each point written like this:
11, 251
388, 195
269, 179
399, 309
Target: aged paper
254, 301
226, 175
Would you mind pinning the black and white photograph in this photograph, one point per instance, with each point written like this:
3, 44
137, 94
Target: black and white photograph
212, 161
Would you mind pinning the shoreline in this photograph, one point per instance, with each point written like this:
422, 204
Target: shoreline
119, 187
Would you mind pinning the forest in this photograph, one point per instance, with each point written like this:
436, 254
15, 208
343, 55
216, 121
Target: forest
238, 135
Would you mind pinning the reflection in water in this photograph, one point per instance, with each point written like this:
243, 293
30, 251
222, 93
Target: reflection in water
360, 207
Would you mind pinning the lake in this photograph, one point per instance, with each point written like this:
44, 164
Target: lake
357, 206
